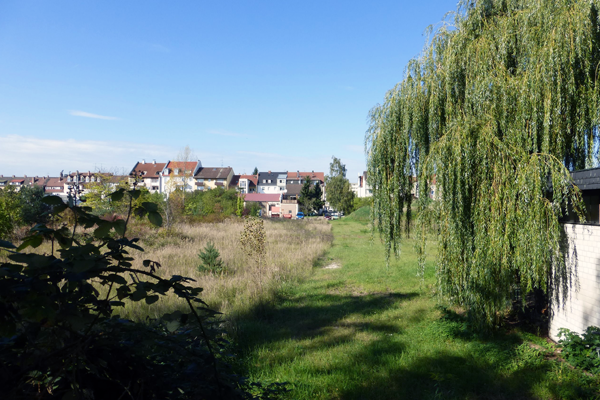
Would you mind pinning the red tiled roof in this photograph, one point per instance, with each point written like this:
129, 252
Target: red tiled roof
252, 178
148, 170
262, 197
183, 164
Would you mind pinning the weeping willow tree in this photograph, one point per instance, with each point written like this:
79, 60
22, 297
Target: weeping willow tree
499, 107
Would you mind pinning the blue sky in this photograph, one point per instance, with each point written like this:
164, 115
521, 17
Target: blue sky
278, 85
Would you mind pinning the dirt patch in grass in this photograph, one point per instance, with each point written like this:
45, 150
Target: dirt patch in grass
333, 265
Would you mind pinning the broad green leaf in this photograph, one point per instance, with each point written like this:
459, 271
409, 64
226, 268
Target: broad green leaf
53, 200
150, 207
155, 218
103, 230
117, 195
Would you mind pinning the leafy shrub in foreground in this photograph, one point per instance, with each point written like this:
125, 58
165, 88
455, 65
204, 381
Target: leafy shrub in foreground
582, 351
59, 338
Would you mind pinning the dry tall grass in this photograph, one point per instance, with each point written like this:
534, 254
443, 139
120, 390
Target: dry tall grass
293, 247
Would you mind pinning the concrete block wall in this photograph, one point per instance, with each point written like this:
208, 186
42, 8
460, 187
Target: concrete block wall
582, 307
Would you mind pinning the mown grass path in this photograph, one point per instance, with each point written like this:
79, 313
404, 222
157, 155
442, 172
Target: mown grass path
363, 331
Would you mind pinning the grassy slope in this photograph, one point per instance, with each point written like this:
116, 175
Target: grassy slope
366, 332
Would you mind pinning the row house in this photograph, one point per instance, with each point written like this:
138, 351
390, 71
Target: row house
180, 175
247, 184
295, 181
19, 181
271, 182
211, 178
148, 175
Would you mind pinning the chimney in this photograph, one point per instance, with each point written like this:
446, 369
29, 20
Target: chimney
154, 162
269, 171
143, 161
25, 176
13, 176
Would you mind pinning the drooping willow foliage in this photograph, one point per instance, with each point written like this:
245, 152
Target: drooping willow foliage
496, 111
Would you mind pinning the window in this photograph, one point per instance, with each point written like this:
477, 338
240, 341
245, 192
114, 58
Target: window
264, 181
269, 181
200, 180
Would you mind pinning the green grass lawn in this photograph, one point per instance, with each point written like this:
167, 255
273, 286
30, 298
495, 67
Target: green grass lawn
364, 331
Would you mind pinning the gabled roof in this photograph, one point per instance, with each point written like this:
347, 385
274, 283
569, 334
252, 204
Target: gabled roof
148, 170
270, 197
293, 190
273, 176
301, 175
183, 166
235, 180
251, 178
213, 172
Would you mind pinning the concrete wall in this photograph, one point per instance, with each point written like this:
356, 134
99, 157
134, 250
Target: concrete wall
582, 307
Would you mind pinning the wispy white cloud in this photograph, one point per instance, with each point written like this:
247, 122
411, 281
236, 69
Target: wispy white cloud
34, 156
227, 133
78, 113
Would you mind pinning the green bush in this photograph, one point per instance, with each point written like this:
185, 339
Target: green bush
216, 201
582, 351
61, 339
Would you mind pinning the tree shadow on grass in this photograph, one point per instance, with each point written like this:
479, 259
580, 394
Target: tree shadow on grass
315, 315
490, 367
496, 366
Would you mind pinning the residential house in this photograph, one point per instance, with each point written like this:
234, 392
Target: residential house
271, 182
55, 186
270, 203
295, 181
289, 207
207, 178
247, 184
179, 175
148, 175
361, 188
235, 182
18, 182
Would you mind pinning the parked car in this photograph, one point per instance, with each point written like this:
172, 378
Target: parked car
300, 215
